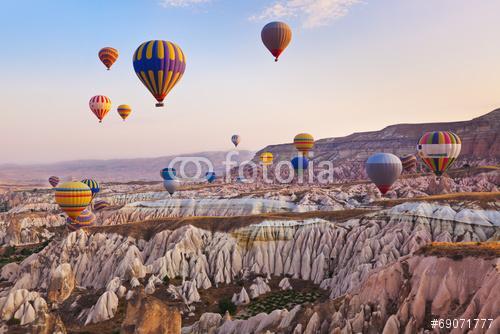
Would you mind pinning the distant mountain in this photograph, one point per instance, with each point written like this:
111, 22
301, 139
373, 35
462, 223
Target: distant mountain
480, 137
119, 170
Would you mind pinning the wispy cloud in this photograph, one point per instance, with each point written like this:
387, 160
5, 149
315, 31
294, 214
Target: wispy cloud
181, 3
312, 13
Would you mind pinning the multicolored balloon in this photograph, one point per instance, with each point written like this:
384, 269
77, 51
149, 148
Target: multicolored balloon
266, 158
124, 111
54, 181
383, 169
85, 219
300, 163
93, 185
168, 173
409, 162
235, 139
108, 56
99, 205
160, 66
73, 197
100, 106
170, 186
303, 142
211, 177
439, 150
276, 36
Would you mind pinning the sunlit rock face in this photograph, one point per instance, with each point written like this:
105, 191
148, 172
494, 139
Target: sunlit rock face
336, 255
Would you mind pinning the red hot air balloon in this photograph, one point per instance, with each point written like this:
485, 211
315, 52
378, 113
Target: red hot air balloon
276, 36
108, 56
100, 106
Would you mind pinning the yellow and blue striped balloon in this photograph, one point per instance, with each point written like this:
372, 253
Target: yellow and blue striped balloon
93, 185
160, 66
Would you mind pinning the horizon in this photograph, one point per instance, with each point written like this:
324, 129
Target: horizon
360, 73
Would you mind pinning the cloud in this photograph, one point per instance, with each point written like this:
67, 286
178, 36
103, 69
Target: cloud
181, 3
312, 13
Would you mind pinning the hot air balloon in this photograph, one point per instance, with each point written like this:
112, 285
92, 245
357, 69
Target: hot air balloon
300, 163
439, 149
100, 106
276, 36
303, 142
266, 158
85, 219
168, 173
383, 169
409, 163
73, 197
99, 205
210, 176
124, 111
108, 56
54, 181
160, 66
93, 185
170, 186
235, 139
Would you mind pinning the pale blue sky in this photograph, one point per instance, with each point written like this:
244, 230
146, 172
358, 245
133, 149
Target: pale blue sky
352, 66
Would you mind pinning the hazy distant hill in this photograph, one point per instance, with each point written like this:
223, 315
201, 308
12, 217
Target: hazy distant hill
480, 137
121, 170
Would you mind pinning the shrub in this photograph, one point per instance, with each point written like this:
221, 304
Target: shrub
166, 280
225, 304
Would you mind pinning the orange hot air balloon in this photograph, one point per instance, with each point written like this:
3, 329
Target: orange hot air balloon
100, 106
108, 56
124, 111
276, 36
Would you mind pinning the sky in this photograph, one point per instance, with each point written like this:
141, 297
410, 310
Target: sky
352, 66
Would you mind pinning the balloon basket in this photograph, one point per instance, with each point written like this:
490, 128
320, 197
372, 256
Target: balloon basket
159, 105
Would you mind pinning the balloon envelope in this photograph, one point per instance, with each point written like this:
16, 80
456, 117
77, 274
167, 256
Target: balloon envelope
235, 139
266, 158
54, 181
439, 150
85, 219
383, 169
99, 205
108, 56
73, 197
100, 106
93, 185
160, 66
168, 173
124, 110
210, 176
409, 162
276, 36
170, 186
300, 163
303, 142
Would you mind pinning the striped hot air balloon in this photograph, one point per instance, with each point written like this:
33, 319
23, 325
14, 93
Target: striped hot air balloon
235, 139
266, 158
108, 56
99, 205
409, 163
383, 169
73, 197
54, 181
170, 186
160, 66
276, 36
303, 142
124, 111
439, 149
85, 219
93, 185
100, 106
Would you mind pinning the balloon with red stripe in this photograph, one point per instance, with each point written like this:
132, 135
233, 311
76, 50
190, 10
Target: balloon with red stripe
100, 106
439, 150
108, 56
276, 36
